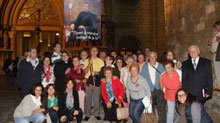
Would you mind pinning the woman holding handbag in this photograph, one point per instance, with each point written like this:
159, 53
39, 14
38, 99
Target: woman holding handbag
136, 89
112, 92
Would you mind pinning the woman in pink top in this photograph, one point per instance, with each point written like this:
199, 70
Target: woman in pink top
170, 80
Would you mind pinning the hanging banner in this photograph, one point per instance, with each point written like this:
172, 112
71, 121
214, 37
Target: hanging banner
82, 20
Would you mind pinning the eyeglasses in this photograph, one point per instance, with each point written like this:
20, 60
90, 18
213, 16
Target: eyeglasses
181, 95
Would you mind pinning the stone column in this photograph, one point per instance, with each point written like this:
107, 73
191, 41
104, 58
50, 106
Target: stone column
19, 40
12, 36
5, 40
61, 41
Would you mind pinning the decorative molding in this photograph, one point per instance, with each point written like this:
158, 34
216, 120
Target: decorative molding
28, 15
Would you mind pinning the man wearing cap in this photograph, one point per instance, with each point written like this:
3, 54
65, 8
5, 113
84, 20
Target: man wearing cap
214, 42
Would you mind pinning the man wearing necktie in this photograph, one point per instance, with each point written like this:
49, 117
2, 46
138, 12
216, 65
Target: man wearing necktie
197, 75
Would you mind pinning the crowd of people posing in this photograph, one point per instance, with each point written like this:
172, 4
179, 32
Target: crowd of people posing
59, 88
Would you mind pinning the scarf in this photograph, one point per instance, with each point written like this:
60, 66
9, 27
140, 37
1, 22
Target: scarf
109, 90
69, 99
77, 69
36, 101
48, 73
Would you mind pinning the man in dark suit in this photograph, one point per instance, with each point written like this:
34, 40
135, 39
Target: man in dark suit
197, 75
86, 20
29, 73
60, 70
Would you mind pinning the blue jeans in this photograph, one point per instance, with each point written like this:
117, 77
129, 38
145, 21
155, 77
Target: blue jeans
36, 118
53, 116
136, 109
171, 109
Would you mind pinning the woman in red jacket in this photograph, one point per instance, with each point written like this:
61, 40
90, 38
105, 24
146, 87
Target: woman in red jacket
77, 74
112, 92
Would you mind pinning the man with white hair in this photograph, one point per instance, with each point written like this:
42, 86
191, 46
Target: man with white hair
197, 75
151, 71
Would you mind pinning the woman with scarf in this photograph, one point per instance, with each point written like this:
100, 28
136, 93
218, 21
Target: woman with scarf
77, 74
29, 109
68, 102
47, 73
112, 92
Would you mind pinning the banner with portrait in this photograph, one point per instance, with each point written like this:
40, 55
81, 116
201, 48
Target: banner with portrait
82, 20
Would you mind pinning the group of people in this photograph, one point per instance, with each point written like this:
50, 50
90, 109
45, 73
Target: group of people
58, 88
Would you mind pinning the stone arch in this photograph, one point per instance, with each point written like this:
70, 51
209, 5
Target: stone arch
129, 42
12, 9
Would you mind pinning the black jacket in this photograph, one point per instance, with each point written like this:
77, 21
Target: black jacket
88, 20
196, 80
27, 76
62, 102
59, 73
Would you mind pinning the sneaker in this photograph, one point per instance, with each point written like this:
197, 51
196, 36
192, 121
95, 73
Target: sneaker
86, 118
98, 118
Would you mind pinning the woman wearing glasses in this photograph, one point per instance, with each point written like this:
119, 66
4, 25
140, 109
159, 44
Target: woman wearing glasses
195, 111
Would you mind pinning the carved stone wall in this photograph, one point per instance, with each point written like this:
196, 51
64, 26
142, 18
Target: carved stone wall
190, 22
143, 19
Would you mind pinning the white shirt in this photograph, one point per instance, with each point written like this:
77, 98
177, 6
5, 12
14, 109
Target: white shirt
55, 56
124, 75
81, 61
152, 72
196, 60
34, 62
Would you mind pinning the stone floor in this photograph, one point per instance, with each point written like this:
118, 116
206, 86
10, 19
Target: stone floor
10, 98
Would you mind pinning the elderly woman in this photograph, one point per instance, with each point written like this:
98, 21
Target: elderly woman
29, 109
137, 88
195, 111
77, 74
170, 80
108, 63
112, 92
